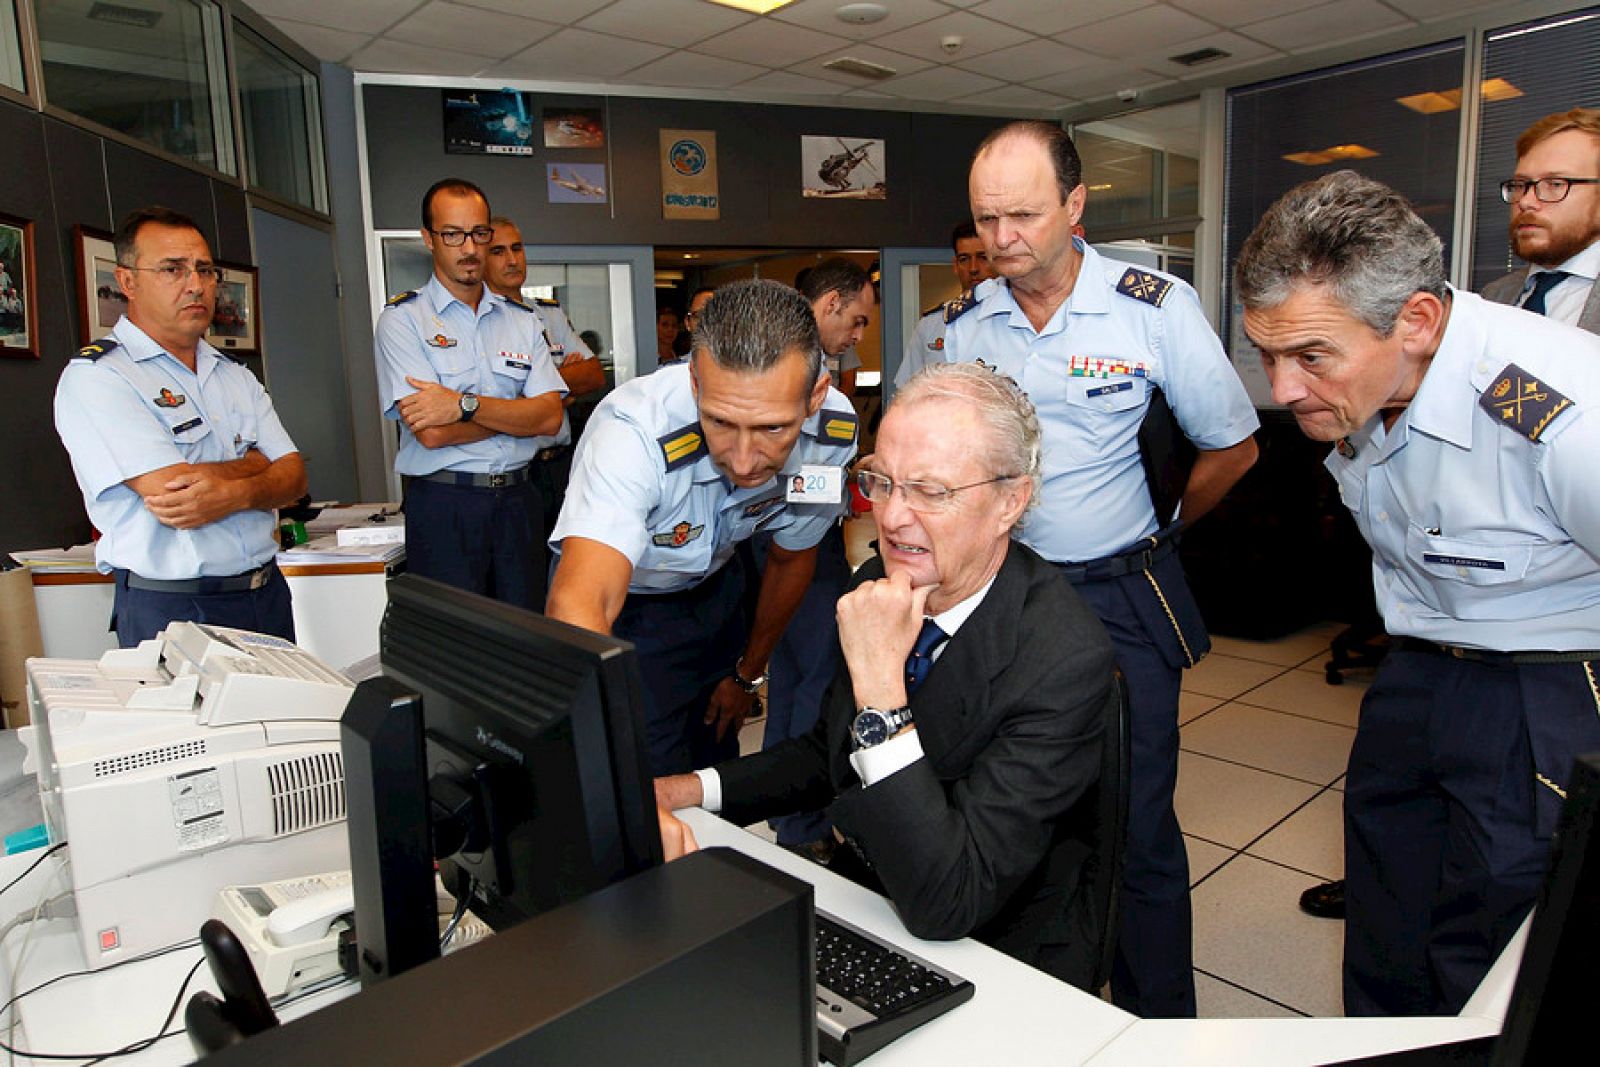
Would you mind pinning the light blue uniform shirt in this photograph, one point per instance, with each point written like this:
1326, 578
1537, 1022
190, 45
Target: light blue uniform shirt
1481, 536
644, 483
1088, 373
136, 409
926, 346
498, 351
562, 341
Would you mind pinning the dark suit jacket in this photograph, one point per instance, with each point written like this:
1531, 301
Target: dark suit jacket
1505, 290
990, 835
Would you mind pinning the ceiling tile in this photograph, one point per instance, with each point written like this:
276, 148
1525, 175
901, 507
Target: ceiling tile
772, 44
1098, 79
1429, 10
1025, 62
898, 62
369, 16
1138, 32
784, 81
821, 15
581, 55
470, 29
562, 11
695, 71
978, 36
402, 57
1235, 13
670, 22
1017, 96
1053, 16
1328, 24
938, 83
335, 46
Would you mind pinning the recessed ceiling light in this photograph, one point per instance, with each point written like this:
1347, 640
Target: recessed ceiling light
860, 67
755, 7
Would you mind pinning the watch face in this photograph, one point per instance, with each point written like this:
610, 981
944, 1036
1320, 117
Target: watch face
871, 728
469, 402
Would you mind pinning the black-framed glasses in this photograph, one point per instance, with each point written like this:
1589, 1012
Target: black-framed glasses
178, 273
481, 235
1548, 190
924, 497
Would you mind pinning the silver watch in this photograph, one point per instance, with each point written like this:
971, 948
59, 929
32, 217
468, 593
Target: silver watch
873, 726
469, 406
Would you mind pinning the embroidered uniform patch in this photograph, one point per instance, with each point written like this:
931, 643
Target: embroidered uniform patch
756, 507
168, 399
936, 345
1519, 401
678, 536
682, 446
1142, 285
439, 340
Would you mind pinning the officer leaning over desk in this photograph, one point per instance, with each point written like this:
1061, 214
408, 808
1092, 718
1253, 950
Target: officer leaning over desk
675, 469
177, 449
467, 374
1091, 340
1466, 441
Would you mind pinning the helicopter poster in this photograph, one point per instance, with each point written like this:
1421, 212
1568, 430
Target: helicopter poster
843, 168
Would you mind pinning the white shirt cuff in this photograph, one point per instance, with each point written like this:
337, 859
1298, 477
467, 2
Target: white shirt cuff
875, 764
710, 788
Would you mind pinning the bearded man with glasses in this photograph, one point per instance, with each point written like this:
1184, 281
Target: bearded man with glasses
176, 448
961, 737
467, 374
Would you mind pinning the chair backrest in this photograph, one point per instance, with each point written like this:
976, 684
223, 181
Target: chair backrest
1111, 827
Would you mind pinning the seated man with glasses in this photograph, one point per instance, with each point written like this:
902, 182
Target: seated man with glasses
176, 448
467, 374
961, 737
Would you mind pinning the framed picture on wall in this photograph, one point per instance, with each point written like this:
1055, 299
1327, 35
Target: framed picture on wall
236, 327
100, 299
19, 305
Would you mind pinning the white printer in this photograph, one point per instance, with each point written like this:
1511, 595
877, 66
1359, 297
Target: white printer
202, 759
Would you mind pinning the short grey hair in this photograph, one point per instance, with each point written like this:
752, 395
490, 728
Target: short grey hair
1354, 235
749, 326
1002, 408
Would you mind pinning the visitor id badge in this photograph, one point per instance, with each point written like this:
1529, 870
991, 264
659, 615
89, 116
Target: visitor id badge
815, 484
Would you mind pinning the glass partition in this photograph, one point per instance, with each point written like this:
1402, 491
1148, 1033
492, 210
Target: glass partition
11, 48
282, 118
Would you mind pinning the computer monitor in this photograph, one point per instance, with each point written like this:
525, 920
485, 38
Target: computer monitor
521, 739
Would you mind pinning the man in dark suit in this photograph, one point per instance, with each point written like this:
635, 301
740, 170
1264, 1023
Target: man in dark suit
961, 738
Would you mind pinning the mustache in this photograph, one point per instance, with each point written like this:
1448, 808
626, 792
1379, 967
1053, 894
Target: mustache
1526, 220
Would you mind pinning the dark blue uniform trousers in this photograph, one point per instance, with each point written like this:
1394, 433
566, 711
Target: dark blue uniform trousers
488, 541
140, 614
687, 642
1156, 630
1450, 804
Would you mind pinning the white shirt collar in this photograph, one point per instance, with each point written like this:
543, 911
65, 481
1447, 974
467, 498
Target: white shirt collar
954, 617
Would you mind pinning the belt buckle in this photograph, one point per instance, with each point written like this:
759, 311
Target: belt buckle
259, 578
1456, 650
498, 481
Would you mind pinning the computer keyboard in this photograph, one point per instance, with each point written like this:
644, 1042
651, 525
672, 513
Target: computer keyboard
870, 992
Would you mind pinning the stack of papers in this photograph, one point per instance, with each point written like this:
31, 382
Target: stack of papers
79, 559
327, 549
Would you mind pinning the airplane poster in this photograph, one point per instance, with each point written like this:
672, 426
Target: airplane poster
490, 122
574, 127
842, 168
576, 183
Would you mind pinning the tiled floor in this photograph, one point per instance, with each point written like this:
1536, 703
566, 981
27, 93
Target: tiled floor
1264, 745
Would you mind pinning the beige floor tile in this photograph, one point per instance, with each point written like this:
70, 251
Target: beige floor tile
1219, 1000
1232, 805
1249, 930
1193, 705
1226, 676
1204, 857
1304, 693
1310, 840
1272, 741
1285, 651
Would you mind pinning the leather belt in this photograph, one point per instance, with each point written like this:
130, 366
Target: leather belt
1141, 557
1485, 655
554, 452
232, 583
478, 481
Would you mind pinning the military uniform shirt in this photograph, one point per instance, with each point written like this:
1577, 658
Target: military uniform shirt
1483, 535
136, 409
644, 483
1088, 373
497, 351
562, 341
926, 346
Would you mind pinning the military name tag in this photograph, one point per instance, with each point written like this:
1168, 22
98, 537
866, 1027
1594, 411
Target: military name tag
815, 484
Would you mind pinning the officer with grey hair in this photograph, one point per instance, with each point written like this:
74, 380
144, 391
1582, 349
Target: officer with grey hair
673, 472
1465, 440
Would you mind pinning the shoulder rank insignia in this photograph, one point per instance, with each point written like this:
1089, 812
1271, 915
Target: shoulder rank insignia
837, 427
1142, 285
519, 304
168, 399
546, 302
678, 536
1519, 401
400, 298
98, 348
682, 446
959, 307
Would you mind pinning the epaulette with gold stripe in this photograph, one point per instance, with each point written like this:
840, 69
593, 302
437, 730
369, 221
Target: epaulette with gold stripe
837, 427
546, 302
520, 306
1520, 402
400, 298
1152, 289
682, 446
99, 348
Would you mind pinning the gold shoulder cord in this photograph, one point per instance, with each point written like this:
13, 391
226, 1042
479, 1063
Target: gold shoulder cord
1179, 630
1594, 691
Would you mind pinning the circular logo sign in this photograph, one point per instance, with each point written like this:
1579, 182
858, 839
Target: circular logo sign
687, 157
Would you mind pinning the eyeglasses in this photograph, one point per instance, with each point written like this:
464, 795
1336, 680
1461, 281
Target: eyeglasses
1548, 190
923, 497
178, 273
480, 235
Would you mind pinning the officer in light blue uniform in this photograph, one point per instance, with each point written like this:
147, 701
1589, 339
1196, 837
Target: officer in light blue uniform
970, 263
653, 486
473, 518
130, 406
1466, 441
1090, 340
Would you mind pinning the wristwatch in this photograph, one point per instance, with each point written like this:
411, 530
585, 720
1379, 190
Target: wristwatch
469, 406
874, 727
749, 685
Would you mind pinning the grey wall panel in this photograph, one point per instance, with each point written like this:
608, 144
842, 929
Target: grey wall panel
138, 180
233, 224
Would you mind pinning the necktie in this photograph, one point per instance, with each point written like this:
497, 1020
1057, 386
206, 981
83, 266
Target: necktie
1543, 282
920, 662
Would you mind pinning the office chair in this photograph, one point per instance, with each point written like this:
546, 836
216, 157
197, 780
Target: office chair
1110, 828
